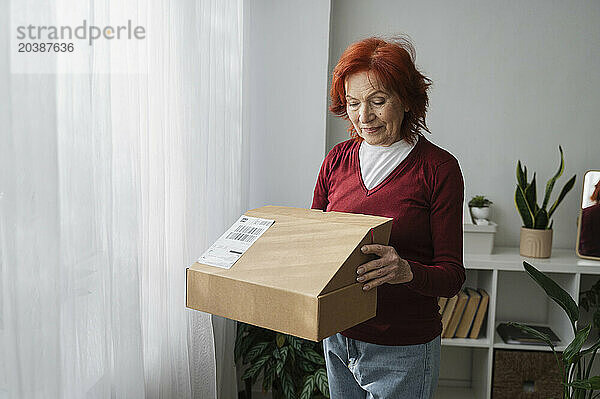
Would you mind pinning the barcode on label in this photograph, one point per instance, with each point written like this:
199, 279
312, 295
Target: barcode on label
240, 237
249, 230
263, 222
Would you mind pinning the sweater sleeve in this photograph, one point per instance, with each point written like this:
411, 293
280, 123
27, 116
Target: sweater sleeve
321, 191
446, 274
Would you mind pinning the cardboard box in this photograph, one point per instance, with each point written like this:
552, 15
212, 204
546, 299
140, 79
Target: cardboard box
299, 277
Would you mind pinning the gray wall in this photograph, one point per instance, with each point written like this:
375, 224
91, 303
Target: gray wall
512, 80
285, 78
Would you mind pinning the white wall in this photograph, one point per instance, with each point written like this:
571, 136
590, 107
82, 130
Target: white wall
512, 80
285, 81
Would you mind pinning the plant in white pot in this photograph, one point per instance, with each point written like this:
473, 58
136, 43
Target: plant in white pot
536, 232
480, 208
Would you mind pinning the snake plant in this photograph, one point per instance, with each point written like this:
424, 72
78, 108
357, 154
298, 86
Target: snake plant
576, 362
533, 215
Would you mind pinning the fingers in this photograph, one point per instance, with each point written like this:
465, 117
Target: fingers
377, 282
371, 265
378, 271
387, 271
376, 249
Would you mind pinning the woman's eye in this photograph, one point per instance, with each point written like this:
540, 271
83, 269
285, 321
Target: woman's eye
353, 105
379, 102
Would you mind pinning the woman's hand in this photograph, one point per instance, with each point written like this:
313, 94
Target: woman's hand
389, 268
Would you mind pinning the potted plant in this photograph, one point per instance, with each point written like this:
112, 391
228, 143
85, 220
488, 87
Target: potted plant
576, 363
293, 368
536, 232
480, 207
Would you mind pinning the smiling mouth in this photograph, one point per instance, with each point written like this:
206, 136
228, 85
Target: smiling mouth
371, 130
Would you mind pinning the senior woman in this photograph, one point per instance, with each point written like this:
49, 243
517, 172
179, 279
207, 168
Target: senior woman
388, 168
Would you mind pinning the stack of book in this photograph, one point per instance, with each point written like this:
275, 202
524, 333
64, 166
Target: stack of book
463, 314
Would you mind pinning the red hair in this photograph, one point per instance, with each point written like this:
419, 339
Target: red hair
596, 194
392, 63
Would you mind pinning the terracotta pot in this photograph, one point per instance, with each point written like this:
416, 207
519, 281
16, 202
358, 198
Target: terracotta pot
535, 243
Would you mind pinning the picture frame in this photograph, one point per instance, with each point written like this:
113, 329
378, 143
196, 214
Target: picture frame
588, 223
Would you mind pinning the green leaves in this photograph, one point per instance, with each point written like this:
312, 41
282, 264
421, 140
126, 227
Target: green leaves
572, 351
592, 348
521, 176
253, 371
573, 363
281, 357
562, 194
290, 365
312, 382
308, 387
533, 215
590, 301
538, 334
550, 184
255, 351
523, 208
296, 343
555, 292
531, 195
541, 219
287, 385
321, 381
313, 356
268, 375
479, 201
592, 383
306, 365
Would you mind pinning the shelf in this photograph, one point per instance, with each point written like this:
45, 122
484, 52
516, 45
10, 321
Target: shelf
508, 258
467, 342
467, 365
499, 344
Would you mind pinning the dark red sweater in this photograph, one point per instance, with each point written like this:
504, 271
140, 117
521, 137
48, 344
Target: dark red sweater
424, 196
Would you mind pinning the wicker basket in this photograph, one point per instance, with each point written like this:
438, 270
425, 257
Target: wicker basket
526, 374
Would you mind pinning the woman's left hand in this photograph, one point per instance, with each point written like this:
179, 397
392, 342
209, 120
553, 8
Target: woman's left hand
389, 268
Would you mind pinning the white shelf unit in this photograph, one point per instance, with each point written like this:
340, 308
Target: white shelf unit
467, 364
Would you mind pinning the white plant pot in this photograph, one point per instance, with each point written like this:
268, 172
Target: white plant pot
480, 213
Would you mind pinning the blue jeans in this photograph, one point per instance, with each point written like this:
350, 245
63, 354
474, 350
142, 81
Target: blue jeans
357, 369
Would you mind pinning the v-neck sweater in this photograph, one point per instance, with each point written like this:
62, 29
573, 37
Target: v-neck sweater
424, 196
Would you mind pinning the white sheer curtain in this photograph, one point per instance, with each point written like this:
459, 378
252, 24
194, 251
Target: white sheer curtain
110, 184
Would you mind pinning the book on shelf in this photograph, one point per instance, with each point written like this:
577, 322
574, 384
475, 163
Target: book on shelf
448, 309
456, 314
469, 314
442, 304
514, 335
480, 315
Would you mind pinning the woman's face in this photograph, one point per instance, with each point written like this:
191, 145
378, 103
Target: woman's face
375, 113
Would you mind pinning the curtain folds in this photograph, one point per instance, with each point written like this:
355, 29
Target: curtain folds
113, 181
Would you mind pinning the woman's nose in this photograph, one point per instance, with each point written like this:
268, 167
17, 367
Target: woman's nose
364, 114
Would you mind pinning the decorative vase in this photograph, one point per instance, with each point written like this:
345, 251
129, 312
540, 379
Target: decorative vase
480, 212
535, 243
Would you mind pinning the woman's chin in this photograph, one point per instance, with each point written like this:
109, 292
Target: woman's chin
375, 139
